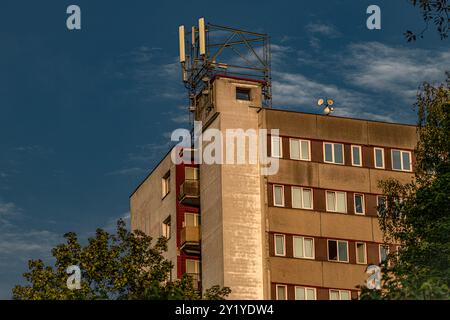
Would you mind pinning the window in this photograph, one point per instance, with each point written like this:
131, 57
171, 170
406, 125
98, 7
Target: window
281, 292
193, 267
384, 252
340, 295
193, 270
301, 198
166, 228
276, 147
165, 183
280, 247
361, 254
300, 149
356, 156
191, 219
381, 204
303, 247
243, 94
303, 293
190, 173
338, 250
336, 201
359, 203
333, 153
401, 160
379, 158
278, 196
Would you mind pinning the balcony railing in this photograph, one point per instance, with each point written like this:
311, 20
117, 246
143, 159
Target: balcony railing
190, 239
190, 192
196, 280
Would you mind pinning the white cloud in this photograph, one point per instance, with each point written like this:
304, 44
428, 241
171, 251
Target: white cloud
34, 149
8, 210
369, 79
181, 118
29, 244
323, 29
111, 224
22, 243
296, 90
127, 171
148, 152
395, 70
149, 73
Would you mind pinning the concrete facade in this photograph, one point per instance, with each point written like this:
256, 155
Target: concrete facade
149, 208
239, 219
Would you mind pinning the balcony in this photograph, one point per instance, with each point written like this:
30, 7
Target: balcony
190, 240
190, 192
196, 280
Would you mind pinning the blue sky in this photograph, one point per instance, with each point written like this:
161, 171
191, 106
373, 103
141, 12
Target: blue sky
85, 115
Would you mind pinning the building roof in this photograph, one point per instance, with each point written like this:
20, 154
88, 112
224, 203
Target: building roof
340, 117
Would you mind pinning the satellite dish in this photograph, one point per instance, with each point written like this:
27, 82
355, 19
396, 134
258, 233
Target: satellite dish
320, 102
327, 110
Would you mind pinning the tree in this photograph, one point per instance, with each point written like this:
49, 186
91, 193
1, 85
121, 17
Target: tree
417, 215
126, 265
435, 12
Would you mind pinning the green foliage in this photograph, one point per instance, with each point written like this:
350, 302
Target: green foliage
217, 293
435, 12
417, 215
125, 265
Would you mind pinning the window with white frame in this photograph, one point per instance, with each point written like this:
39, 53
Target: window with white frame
336, 201
381, 204
358, 200
192, 267
281, 292
191, 219
340, 295
302, 198
401, 160
276, 147
300, 149
361, 253
356, 156
303, 247
378, 154
280, 245
338, 250
278, 195
333, 153
304, 293
384, 252
165, 184
166, 228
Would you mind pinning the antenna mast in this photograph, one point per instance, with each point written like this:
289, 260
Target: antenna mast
208, 50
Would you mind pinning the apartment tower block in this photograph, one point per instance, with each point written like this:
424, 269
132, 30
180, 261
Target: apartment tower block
309, 231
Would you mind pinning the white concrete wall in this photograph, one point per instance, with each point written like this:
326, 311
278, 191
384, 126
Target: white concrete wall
232, 235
